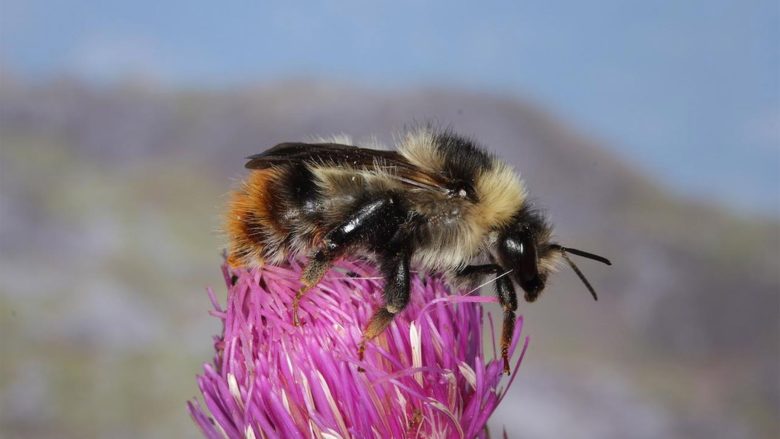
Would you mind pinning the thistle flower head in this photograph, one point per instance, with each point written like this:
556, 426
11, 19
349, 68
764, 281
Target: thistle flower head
426, 376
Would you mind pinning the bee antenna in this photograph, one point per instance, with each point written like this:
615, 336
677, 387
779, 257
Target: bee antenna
564, 253
585, 254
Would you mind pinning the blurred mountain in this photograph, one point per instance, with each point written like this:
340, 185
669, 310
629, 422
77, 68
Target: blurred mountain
109, 197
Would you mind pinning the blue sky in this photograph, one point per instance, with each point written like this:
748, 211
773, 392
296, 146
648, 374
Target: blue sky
689, 91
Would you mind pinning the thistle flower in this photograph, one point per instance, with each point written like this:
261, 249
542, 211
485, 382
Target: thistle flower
426, 376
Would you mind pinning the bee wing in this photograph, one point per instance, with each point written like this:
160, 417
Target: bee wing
335, 154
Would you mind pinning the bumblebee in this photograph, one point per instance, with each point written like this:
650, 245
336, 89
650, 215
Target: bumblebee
439, 203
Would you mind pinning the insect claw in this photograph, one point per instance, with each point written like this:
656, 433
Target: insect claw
297, 302
295, 306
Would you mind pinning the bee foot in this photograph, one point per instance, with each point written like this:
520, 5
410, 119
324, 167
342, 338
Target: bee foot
362, 349
295, 306
296, 320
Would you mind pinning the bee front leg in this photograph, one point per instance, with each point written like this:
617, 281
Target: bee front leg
395, 270
506, 297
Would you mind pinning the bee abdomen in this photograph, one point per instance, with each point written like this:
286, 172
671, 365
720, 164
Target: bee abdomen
254, 222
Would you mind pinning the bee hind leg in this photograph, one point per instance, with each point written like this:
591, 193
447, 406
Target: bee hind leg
318, 265
506, 297
374, 222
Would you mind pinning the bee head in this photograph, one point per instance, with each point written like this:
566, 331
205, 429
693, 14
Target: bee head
524, 247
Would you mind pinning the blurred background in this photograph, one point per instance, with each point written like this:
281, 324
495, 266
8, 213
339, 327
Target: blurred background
649, 131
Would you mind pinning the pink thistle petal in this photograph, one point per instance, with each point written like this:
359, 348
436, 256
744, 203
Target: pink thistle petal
425, 376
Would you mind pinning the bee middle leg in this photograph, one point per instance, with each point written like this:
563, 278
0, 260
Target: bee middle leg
395, 269
506, 297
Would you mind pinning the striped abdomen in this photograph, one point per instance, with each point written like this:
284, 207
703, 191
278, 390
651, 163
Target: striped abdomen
273, 214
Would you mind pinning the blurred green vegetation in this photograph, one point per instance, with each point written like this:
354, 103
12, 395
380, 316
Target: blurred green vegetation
110, 204
128, 247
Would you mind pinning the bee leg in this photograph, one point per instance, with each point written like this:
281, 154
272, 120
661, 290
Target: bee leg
508, 300
374, 222
506, 297
318, 265
395, 270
